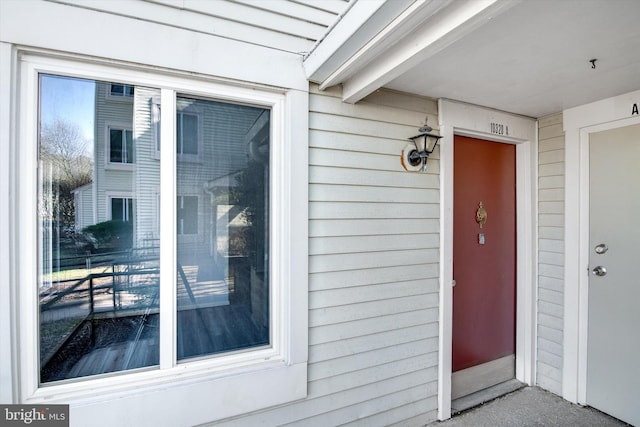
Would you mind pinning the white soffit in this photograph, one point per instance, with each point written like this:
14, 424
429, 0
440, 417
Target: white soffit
529, 57
391, 41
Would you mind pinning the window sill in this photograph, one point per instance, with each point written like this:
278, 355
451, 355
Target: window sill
120, 166
155, 397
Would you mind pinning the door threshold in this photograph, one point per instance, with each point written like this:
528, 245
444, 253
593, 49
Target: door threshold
485, 395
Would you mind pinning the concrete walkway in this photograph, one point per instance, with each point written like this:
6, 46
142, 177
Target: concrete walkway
530, 407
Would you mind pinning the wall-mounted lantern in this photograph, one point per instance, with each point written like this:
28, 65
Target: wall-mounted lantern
415, 154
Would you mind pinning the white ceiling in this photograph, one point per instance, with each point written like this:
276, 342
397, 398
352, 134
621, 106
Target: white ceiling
533, 58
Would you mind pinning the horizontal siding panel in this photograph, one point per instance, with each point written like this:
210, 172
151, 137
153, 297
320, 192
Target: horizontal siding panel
372, 276
550, 384
367, 343
355, 362
550, 131
351, 159
405, 101
549, 346
333, 175
554, 271
332, 6
357, 294
550, 195
351, 193
370, 375
551, 144
370, 111
554, 156
549, 182
358, 261
369, 404
548, 371
359, 143
551, 220
553, 119
551, 258
371, 227
550, 321
339, 331
370, 411
315, 411
553, 233
551, 245
333, 123
334, 315
548, 310
551, 284
550, 359
346, 210
260, 18
193, 18
551, 207
551, 169
353, 244
420, 407
295, 10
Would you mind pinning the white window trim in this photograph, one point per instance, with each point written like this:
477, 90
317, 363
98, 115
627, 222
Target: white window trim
456, 118
191, 238
117, 98
108, 164
148, 396
117, 195
194, 111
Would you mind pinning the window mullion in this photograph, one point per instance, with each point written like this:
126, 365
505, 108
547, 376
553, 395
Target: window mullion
168, 270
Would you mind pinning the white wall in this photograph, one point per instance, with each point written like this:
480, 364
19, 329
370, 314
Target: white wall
550, 252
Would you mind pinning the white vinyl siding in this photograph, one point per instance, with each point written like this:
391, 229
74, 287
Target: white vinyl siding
373, 243
109, 177
550, 253
292, 26
145, 135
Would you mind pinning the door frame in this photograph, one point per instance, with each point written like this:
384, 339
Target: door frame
579, 123
457, 118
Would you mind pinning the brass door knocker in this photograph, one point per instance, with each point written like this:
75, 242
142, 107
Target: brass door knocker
481, 215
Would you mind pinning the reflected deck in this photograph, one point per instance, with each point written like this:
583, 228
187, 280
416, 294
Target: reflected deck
107, 345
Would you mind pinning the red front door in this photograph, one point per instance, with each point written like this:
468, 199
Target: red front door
484, 265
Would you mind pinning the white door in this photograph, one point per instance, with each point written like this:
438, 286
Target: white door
613, 346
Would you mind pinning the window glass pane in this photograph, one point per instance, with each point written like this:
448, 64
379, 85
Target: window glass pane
187, 214
223, 274
117, 90
129, 151
98, 279
115, 145
121, 146
189, 134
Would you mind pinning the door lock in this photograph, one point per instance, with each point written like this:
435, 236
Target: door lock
601, 248
599, 271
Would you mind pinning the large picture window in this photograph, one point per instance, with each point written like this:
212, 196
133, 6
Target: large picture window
179, 278
109, 271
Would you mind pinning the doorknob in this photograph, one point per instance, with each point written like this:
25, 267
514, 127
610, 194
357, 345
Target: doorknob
599, 271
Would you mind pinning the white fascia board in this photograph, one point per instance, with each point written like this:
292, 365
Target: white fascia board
446, 22
363, 20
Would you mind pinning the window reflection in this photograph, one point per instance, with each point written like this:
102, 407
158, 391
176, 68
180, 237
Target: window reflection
99, 277
223, 289
99, 233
